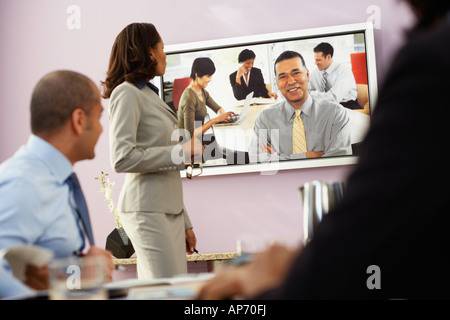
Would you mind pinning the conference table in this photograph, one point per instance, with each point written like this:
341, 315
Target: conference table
178, 287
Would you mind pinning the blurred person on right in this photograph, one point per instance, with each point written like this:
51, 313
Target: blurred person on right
389, 237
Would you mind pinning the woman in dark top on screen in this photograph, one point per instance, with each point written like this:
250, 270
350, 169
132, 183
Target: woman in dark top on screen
248, 78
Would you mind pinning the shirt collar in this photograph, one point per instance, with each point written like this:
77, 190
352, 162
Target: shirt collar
55, 161
331, 68
142, 83
306, 108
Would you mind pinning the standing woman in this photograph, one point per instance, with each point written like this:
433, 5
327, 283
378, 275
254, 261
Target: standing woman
151, 204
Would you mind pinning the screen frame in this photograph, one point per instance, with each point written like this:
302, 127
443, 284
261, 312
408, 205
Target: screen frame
272, 168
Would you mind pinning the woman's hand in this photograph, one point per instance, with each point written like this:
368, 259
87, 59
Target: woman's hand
191, 241
225, 117
193, 150
273, 95
241, 71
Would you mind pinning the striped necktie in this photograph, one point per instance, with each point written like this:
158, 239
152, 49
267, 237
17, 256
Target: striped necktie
81, 207
298, 134
325, 82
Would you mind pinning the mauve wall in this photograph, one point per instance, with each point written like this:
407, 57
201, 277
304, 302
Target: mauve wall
36, 37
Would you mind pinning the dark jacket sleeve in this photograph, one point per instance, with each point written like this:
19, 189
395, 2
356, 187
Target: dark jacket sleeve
238, 90
256, 85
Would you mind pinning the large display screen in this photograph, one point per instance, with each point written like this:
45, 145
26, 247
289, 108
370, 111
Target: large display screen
351, 84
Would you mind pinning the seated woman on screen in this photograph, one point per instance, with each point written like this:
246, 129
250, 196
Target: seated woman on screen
248, 78
193, 101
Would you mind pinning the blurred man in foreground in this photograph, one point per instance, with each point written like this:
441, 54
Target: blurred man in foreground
40, 195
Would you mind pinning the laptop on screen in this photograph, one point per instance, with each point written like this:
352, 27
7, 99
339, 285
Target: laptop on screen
241, 117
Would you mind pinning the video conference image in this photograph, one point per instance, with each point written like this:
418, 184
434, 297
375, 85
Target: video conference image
242, 81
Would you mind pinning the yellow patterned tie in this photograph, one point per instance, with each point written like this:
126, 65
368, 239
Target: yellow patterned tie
298, 134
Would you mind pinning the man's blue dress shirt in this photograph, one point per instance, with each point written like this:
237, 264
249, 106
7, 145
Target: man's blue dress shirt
35, 203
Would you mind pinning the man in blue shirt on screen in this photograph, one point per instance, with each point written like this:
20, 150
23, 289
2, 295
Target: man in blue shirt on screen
37, 205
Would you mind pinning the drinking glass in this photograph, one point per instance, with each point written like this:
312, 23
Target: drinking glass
77, 278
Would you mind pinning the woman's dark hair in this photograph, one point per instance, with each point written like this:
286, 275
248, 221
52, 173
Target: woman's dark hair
130, 58
245, 55
202, 67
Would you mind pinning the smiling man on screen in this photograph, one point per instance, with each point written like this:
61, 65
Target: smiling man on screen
299, 127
